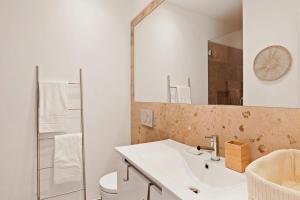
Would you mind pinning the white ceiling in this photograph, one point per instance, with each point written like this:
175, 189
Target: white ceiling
228, 11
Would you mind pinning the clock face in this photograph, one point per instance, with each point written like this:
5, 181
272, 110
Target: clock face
272, 63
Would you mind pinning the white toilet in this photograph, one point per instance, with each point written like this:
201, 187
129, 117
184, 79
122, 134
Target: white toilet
108, 186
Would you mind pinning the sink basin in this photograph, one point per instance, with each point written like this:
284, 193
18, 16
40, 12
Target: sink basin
275, 176
190, 170
185, 175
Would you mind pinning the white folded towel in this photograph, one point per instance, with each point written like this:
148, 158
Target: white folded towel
184, 95
53, 108
68, 158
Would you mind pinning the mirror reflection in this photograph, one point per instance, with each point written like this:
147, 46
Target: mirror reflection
191, 52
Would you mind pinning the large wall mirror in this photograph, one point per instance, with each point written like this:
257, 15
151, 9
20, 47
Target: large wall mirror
191, 52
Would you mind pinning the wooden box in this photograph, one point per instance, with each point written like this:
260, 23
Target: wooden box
237, 155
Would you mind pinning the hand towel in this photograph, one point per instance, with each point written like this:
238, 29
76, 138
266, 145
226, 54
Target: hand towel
184, 95
68, 158
53, 108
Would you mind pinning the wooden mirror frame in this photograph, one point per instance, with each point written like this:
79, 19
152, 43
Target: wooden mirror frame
142, 15
134, 22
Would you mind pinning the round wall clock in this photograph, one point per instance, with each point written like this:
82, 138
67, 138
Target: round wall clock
272, 63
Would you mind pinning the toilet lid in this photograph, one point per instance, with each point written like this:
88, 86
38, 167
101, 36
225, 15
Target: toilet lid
108, 183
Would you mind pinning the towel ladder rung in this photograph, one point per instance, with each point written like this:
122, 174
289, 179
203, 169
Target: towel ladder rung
74, 109
49, 138
58, 195
45, 168
74, 83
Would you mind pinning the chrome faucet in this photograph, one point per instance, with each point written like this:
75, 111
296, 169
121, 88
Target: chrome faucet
214, 148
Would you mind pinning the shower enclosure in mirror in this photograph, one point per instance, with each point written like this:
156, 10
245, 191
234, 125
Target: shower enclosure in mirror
190, 52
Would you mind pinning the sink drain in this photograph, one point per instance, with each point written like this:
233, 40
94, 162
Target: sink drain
195, 190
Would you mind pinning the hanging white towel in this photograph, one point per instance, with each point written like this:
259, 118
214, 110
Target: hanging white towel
53, 107
184, 95
68, 158
173, 95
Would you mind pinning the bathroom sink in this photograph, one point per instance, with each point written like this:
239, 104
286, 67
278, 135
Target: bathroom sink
186, 175
275, 176
190, 169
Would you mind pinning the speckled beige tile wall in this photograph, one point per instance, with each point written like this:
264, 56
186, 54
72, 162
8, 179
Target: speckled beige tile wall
265, 129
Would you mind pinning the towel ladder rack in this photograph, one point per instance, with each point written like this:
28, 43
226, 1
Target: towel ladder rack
39, 169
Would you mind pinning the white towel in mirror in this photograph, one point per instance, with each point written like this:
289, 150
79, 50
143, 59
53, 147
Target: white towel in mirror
184, 95
173, 95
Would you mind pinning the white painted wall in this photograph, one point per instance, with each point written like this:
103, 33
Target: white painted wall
61, 36
173, 41
268, 22
234, 39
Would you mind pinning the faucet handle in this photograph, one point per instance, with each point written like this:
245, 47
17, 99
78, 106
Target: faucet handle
214, 141
212, 137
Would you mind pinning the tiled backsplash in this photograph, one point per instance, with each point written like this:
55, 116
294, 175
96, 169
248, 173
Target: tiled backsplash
265, 129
